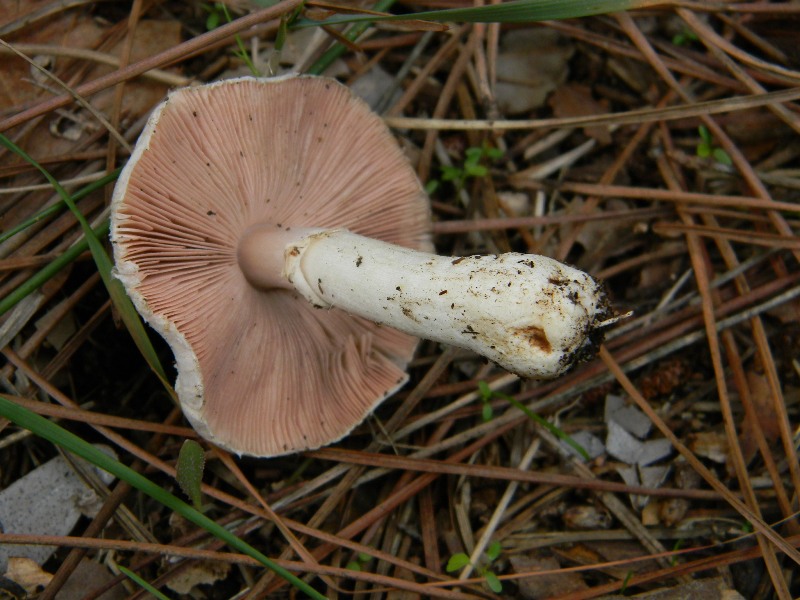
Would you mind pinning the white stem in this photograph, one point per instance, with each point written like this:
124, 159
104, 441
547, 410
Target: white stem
530, 314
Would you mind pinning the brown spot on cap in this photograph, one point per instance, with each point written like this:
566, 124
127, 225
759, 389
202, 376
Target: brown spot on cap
536, 337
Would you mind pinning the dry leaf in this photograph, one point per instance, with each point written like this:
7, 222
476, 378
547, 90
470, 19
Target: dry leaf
650, 514
73, 29
372, 86
27, 573
90, 575
787, 312
712, 445
530, 65
587, 517
593, 553
672, 511
151, 37
544, 586
607, 238
707, 589
198, 573
575, 100
766, 417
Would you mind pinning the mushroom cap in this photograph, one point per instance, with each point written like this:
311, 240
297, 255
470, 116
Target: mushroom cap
262, 372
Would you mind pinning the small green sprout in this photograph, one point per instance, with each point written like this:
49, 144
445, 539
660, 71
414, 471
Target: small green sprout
432, 186
142, 583
474, 165
359, 562
706, 148
189, 470
459, 560
684, 37
487, 412
625, 582
675, 548
488, 394
216, 13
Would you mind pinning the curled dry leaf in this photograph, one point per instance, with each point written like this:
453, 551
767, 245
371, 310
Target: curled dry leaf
544, 586
707, 589
576, 100
203, 572
766, 418
27, 573
586, 516
712, 445
530, 65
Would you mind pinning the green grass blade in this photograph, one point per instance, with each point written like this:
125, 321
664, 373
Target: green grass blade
516, 11
546, 424
41, 215
352, 34
72, 443
487, 394
120, 299
59, 206
243, 53
142, 583
69, 255
46, 273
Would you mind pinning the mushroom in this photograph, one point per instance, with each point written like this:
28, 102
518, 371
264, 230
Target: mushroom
271, 229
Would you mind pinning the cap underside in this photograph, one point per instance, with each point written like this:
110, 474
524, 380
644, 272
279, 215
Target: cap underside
275, 374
